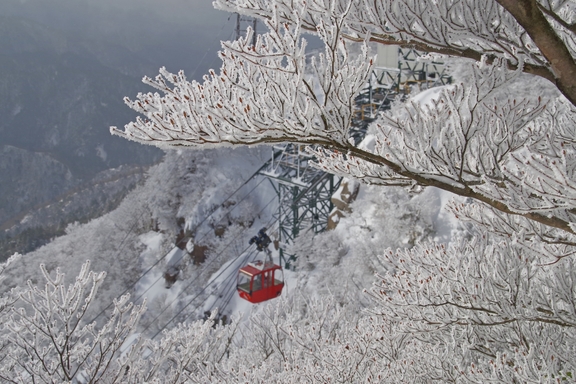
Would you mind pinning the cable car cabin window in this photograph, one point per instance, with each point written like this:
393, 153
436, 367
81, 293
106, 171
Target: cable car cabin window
244, 281
278, 277
268, 279
257, 282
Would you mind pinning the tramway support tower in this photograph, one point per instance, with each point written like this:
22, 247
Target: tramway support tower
397, 73
304, 193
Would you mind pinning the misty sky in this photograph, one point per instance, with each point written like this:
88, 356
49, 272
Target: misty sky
65, 67
177, 34
180, 34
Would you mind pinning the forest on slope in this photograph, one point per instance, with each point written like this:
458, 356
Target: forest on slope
487, 298
177, 196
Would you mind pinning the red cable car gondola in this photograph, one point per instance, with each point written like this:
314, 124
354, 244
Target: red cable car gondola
260, 281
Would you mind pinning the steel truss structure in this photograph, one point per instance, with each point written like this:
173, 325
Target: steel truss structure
386, 85
242, 23
304, 193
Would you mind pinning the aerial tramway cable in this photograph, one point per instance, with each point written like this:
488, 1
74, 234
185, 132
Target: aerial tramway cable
213, 211
231, 281
201, 237
216, 36
206, 287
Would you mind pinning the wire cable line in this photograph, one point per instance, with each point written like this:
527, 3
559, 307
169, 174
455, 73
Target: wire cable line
212, 212
206, 287
201, 238
229, 293
216, 36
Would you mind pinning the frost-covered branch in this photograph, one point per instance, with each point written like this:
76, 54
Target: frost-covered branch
49, 338
262, 94
468, 29
497, 306
476, 139
488, 295
549, 41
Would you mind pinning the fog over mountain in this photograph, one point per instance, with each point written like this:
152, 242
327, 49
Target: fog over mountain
172, 33
65, 66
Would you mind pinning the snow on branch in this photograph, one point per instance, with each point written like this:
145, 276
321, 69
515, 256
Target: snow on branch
549, 244
468, 29
543, 41
263, 93
476, 138
488, 296
48, 338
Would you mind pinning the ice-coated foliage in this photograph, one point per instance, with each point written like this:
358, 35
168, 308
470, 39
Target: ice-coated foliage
470, 311
48, 339
494, 301
497, 304
273, 98
484, 138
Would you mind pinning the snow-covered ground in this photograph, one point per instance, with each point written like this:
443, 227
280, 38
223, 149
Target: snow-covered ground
201, 192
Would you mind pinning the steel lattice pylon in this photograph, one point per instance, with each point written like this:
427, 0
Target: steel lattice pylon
242, 24
304, 193
412, 70
388, 84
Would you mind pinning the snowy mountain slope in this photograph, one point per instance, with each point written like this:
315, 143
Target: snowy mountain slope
207, 200
180, 192
184, 183
39, 224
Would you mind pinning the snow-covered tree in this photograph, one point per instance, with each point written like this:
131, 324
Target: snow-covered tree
47, 337
498, 304
485, 138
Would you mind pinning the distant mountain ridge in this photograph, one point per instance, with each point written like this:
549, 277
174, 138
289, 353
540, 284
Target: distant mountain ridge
57, 100
65, 67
